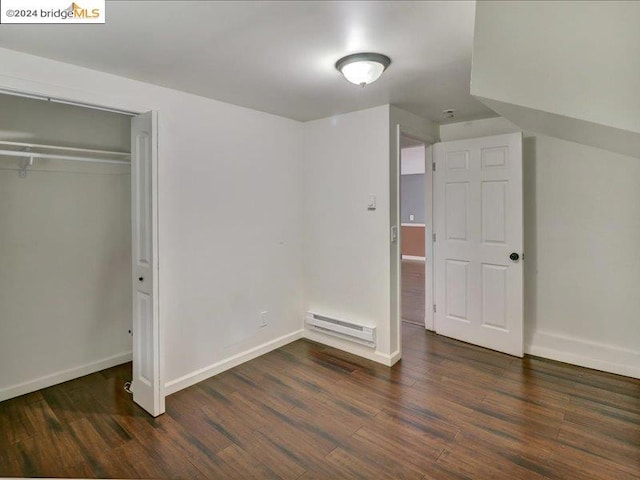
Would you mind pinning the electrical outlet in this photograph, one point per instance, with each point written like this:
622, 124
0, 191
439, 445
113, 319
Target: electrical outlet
411, 217
264, 319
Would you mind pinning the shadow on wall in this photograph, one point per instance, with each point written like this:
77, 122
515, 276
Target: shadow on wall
530, 237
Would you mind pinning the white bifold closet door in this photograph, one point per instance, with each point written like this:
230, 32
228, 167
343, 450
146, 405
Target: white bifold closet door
478, 248
145, 384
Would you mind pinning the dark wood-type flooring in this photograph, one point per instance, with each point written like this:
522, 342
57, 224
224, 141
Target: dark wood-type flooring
447, 411
413, 278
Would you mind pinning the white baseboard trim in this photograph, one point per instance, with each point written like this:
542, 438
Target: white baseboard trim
394, 357
192, 378
413, 257
355, 349
63, 376
599, 356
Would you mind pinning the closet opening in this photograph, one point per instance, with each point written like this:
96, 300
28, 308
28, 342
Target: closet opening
78, 283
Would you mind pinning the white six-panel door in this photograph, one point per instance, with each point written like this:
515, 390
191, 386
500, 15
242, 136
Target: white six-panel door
478, 226
146, 357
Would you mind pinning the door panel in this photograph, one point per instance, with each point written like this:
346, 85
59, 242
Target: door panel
494, 224
457, 290
143, 197
146, 383
456, 205
478, 223
143, 338
494, 296
457, 160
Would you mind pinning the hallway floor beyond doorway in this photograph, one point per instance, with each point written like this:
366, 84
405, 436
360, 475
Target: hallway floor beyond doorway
413, 285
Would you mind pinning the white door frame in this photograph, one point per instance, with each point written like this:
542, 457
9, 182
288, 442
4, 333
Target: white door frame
36, 90
396, 287
428, 238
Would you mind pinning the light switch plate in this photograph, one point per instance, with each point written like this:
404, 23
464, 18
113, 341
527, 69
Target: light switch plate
372, 202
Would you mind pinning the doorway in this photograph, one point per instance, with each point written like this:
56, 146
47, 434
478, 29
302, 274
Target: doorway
473, 241
412, 228
78, 227
415, 220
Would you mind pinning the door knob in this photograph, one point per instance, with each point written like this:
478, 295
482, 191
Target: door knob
514, 256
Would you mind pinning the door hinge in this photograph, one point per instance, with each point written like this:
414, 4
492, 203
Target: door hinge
434, 308
433, 166
434, 238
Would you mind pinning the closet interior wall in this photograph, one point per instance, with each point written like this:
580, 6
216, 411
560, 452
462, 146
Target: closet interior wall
65, 248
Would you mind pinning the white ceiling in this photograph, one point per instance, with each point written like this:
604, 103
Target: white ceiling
277, 57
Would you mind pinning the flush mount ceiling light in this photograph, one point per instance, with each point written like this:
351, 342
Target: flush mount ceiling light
363, 68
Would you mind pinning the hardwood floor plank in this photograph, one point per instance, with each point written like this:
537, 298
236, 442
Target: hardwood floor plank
281, 461
473, 464
536, 450
447, 411
44, 454
418, 451
413, 291
370, 466
306, 449
90, 443
70, 400
511, 457
605, 425
15, 424
245, 465
569, 462
600, 444
594, 378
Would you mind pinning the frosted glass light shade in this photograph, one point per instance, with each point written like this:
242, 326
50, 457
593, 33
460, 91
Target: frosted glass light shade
363, 72
363, 68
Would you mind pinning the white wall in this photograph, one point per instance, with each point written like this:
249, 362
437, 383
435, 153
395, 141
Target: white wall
570, 69
28, 120
65, 280
347, 246
65, 249
554, 56
582, 264
216, 162
349, 260
477, 128
412, 160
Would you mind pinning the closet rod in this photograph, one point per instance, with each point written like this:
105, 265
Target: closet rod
68, 149
51, 156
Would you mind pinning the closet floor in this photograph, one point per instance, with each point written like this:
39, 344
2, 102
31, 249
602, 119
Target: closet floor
447, 411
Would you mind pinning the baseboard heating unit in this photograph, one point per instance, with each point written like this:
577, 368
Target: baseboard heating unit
353, 332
